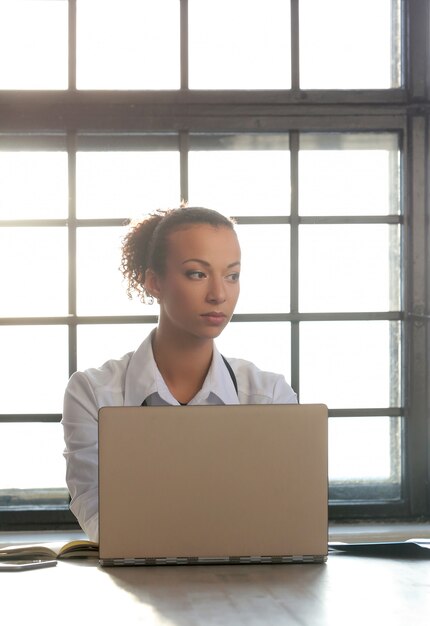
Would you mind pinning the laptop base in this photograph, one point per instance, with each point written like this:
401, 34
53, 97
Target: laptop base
232, 560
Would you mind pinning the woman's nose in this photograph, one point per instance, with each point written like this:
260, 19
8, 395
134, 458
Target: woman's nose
216, 292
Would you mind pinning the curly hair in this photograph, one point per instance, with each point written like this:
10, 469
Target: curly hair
145, 245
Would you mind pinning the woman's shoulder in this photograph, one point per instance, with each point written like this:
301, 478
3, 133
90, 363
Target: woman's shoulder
259, 385
106, 374
248, 367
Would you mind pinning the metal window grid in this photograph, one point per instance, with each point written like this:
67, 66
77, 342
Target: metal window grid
72, 118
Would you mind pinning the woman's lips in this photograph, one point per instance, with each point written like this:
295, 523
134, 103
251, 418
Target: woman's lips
214, 317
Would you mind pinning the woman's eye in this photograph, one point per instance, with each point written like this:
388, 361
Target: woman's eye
196, 274
233, 278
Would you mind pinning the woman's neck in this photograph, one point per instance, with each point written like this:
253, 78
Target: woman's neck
183, 362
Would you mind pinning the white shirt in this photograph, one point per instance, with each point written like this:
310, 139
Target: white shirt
128, 382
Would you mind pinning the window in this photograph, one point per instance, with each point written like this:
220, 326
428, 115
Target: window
269, 112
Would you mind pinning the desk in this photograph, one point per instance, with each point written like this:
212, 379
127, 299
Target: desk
346, 591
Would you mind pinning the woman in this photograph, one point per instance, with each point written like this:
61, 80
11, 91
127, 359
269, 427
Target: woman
188, 259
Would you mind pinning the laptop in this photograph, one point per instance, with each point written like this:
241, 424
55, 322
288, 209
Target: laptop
213, 484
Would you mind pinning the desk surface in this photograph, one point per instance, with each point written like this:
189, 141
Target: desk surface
346, 590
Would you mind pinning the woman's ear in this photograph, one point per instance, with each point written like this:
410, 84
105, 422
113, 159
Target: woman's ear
152, 283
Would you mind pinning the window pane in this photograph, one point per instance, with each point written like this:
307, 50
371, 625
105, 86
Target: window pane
350, 364
36, 383
244, 175
265, 275
363, 448
33, 44
33, 185
125, 184
32, 457
243, 44
255, 342
128, 44
33, 271
349, 267
100, 286
97, 343
349, 174
332, 54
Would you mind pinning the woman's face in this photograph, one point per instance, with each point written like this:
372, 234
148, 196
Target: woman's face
200, 286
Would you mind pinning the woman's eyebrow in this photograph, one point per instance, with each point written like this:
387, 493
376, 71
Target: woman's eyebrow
196, 261
208, 264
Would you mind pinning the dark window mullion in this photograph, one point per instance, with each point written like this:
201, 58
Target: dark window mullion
183, 164
71, 150
416, 50
416, 424
72, 45
295, 50
184, 44
294, 261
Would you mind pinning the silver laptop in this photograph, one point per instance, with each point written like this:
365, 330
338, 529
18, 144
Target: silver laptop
213, 484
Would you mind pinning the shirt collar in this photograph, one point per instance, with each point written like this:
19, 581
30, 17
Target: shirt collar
218, 384
144, 379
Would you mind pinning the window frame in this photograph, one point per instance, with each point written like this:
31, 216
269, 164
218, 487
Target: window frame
66, 115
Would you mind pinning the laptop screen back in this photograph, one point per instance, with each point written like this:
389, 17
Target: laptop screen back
212, 482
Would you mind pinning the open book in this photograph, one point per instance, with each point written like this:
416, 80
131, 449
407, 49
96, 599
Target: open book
51, 550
